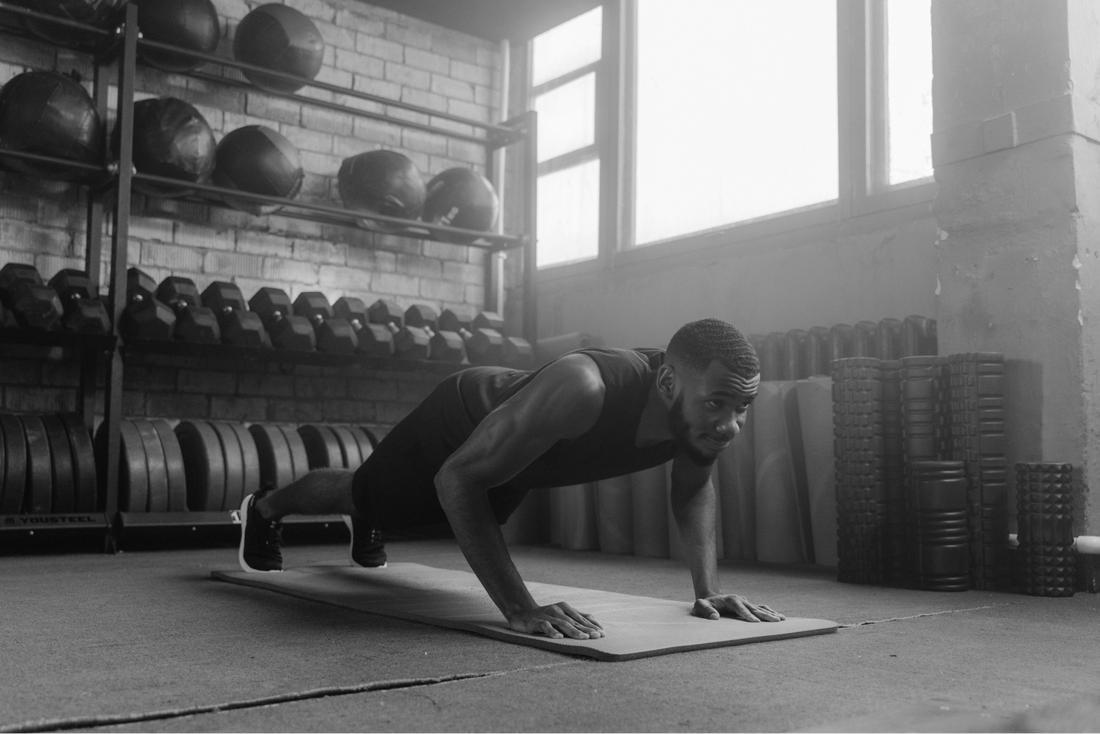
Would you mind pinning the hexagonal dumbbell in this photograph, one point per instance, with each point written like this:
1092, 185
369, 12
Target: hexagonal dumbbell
446, 346
517, 352
145, 317
374, 339
240, 327
195, 323
287, 330
386, 312
32, 304
333, 334
84, 312
408, 342
483, 345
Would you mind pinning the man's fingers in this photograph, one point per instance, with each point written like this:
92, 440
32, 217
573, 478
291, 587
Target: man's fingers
705, 609
584, 621
548, 629
778, 617
742, 611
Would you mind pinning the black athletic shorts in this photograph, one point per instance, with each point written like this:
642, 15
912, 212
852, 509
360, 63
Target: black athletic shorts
395, 487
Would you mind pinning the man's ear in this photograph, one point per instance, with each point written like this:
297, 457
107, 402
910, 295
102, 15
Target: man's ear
666, 380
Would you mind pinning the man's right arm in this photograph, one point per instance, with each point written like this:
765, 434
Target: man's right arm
561, 402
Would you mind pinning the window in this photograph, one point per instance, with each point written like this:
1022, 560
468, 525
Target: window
564, 71
909, 89
736, 112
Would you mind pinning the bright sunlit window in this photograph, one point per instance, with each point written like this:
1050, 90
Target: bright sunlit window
909, 88
564, 74
736, 112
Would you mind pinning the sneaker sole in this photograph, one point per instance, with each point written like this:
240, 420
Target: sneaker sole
347, 521
245, 504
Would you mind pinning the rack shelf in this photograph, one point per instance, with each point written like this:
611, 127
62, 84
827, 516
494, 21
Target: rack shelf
110, 187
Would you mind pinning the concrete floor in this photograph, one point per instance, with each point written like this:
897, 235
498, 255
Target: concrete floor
145, 641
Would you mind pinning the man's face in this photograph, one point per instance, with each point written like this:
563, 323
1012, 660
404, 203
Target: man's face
709, 410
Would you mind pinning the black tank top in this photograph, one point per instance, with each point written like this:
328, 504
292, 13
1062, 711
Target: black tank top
606, 450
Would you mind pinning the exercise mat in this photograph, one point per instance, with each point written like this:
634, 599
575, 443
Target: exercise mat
636, 627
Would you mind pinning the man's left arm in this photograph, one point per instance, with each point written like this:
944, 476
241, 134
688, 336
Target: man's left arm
694, 508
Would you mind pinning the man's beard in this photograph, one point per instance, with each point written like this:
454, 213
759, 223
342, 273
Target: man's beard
681, 434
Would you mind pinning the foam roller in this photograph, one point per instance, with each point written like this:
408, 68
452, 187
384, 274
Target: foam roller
815, 406
614, 512
779, 516
650, 515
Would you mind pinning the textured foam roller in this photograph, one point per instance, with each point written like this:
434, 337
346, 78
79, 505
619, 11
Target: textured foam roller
650, 514
779, 526
615, 515
815, 406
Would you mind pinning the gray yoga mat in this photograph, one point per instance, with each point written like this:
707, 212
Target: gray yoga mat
636, 627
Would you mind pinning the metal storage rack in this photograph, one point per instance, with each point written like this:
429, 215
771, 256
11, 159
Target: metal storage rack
111, 193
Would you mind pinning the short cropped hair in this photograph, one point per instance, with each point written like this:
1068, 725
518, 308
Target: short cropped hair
698, 343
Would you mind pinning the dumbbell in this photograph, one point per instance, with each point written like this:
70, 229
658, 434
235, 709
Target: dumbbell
374, 339
240, 327
33, 304
195, 323
84, 312
484, 345
446, 346
409, 342
333, 334
287, 331
145, 317
518, 352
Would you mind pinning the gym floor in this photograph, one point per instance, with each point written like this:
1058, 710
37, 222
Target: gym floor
146, 641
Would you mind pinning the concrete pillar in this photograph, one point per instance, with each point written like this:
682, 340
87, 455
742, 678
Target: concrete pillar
1018, 259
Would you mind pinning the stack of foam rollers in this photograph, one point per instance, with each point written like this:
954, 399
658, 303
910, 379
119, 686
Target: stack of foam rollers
921, 470
860, 469
1044, 513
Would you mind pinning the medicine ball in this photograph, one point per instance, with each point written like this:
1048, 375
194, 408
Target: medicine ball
171, 139
461, 197
51, 114
382, 182
190, 24
98, 13
259, 160
282, 39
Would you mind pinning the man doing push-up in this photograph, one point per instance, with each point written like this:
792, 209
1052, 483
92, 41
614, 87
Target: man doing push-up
486, 436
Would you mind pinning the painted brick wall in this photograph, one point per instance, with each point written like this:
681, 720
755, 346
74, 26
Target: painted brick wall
368, 49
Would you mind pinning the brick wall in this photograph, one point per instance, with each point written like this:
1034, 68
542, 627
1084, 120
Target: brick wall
368, 49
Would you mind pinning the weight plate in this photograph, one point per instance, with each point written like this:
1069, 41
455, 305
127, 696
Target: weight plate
250, 460
173, 463
155, 464
297, 451
14, 479
133, 470
276, 466
3, 452
84, 468
203, 465
234, 464
322, 448
64, 481
349, 447
39, 493
366, 444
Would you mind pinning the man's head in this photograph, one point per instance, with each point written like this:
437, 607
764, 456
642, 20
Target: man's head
710, 376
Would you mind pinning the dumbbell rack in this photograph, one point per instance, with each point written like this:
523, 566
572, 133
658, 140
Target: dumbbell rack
114, 186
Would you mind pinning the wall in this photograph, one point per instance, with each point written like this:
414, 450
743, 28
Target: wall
369, 49
866, 267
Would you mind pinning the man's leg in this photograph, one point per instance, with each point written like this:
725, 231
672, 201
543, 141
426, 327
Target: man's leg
320, 492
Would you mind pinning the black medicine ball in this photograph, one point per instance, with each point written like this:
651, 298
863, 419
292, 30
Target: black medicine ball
259, 160
281, 39
51, 114
190, 24
98, 13
461, 197
382, 182
171, 139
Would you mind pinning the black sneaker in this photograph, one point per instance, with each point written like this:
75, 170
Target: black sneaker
367, 549
261, 539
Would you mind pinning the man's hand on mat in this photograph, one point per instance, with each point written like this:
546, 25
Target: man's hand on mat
734, 605
556, 621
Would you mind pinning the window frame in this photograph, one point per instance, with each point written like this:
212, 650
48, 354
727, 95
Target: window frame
863, 186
